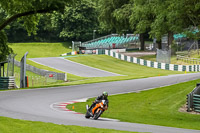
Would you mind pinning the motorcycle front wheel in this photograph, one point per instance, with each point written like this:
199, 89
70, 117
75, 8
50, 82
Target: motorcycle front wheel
97, 115
87, 115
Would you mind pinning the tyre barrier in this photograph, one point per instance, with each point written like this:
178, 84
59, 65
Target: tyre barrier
196, 101
7, 83
193, 100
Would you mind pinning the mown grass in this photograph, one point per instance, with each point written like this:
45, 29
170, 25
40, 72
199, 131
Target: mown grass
158, 106
8, 125
114, 65
37, 50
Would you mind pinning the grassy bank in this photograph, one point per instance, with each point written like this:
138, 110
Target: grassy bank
114, 65
9, 125
37, 50
159, 106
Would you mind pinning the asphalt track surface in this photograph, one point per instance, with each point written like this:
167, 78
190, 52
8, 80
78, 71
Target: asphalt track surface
73, 67
36, 104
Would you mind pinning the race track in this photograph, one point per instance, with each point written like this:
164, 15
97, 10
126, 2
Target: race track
35, 104
73, 67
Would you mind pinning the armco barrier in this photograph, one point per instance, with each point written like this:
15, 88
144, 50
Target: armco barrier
165, 66
60, 76
7, 83
193, 100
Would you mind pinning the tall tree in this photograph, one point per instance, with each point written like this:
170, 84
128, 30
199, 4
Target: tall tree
184, 14
27, 11
141, 18
20, 8
114, 15
77, 22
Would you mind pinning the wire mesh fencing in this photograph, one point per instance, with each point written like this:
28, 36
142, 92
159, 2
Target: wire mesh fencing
42, 72
36, 81
10, 66
163, 56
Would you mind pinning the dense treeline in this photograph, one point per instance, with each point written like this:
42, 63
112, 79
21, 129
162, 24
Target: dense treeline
61, 20
75, 22
155, 17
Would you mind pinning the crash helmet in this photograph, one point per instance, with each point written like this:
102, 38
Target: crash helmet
105, 94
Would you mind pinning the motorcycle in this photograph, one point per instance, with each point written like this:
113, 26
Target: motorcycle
97, 110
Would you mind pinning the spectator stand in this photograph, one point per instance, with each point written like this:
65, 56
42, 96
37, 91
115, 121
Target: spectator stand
111, 42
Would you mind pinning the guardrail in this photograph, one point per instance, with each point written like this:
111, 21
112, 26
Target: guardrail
188, 59
42, 72
193, 100
7, 83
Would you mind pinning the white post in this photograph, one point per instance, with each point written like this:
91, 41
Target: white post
72, 46
65, 77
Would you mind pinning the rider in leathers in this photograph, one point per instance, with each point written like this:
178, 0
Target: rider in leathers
104, 96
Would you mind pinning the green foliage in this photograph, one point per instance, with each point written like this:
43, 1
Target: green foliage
28, 12
114, 15
4, 49
73, 21
77, 22
79, 18
122, 16
22, 8
142, 16
157, 17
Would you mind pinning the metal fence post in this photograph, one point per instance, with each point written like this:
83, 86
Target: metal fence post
188, 103
23, 71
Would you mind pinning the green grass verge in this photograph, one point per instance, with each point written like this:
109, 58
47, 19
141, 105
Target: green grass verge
114, 65
9, 125
149, 57
158, 106
37, 50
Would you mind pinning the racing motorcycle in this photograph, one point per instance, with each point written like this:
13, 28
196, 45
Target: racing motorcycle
97, 110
